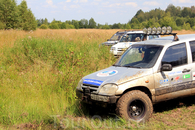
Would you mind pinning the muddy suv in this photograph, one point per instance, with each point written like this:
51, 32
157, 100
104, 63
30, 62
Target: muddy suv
148, 72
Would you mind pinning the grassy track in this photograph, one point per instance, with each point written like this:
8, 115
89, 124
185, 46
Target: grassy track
39, 72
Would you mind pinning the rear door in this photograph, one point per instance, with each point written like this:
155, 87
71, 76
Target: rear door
192, 47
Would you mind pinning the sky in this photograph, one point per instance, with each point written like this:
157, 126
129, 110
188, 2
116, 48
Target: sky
102, 11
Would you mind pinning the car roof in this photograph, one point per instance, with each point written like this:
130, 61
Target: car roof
127, 32
163, 41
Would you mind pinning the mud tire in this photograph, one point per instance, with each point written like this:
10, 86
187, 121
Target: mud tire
135, 106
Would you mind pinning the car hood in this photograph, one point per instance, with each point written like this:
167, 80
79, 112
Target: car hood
115, 75
123, 44
109, 42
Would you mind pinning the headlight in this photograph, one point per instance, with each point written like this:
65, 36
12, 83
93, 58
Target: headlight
79, 87
108, 89
112, 48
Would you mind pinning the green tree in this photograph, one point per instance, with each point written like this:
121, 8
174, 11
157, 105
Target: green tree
92, 23
186, 26
45, 21
54, 25
106, 26
2, 25
63, 25
167, 20
27, 19
75, 23
83, 23
9, 14
179, 21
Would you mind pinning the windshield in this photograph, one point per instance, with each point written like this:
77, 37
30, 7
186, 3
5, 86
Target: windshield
132, 37
116, 37
139, 56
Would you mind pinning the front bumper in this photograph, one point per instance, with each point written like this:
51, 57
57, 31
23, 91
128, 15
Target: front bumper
94, 98
116, 53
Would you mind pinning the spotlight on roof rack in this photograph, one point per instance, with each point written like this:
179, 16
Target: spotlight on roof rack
149, 30
145, 30
154, 30
164, 30
169, 30
159, 30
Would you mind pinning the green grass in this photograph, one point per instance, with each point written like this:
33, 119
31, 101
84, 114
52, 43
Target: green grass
39, 78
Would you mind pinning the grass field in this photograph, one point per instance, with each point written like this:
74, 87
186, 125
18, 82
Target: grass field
39, 72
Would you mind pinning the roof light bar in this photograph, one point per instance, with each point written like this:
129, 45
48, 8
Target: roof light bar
169, 30
164, 30
149, 30
159, 30
154, 30
145, 30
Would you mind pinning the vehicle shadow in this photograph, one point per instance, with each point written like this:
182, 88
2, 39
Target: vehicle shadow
109, 111
174, 103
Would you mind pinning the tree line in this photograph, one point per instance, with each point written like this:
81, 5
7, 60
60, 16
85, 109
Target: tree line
176, 17
13, 16
75, 24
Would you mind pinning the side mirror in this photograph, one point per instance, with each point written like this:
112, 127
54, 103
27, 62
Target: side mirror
166, 67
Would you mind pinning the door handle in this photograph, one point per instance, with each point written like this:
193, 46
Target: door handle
186, 70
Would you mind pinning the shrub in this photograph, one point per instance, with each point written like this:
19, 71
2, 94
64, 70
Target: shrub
43, 26
193, 28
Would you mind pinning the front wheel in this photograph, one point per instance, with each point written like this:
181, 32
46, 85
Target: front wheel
135, 105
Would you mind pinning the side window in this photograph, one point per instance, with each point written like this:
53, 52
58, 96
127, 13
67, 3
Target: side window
150, 37
175, 55
192, 46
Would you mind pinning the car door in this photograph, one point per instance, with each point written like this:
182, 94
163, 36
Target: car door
192, 52
174, 83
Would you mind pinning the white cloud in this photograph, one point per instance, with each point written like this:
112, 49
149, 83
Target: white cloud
74, 6
183, 1
151, 3
68, 0
49, 2
131, 4
83, 1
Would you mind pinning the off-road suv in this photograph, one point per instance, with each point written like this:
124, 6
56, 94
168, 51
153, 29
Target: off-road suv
148, 72
129, 39
114, 39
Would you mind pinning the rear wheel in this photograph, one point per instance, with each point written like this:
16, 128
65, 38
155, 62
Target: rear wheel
135, 105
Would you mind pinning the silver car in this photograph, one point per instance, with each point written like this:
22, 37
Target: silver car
148, 72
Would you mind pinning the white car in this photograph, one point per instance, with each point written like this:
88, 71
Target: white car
129, 39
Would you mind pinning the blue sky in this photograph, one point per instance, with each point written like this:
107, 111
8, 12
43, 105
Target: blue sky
103, 11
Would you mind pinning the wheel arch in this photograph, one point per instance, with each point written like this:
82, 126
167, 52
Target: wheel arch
141, 88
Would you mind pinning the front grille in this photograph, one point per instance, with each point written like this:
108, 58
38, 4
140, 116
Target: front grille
120, 49
92, 88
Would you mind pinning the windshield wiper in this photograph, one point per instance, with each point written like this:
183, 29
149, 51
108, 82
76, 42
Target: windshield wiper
117, 65
133, 66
